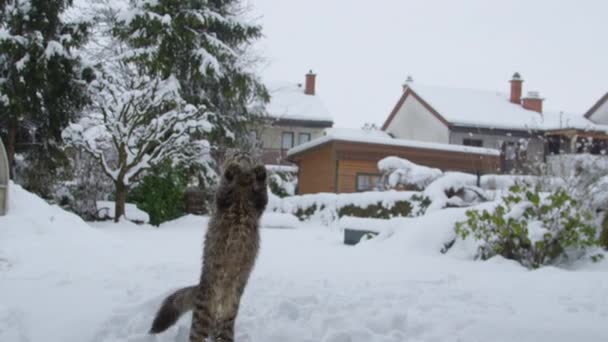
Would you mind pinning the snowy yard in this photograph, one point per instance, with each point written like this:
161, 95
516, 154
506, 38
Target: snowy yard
64, 280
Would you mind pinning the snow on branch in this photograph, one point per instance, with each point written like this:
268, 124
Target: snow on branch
136, 121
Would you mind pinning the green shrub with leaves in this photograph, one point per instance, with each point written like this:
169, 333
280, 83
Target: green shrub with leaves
532, 227
161, 193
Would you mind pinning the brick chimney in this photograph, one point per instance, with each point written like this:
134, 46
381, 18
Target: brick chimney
310, 85
533, 101
516, 83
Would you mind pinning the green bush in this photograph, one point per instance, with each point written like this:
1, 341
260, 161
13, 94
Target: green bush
161, 193
531, 227
377, 210
415, 206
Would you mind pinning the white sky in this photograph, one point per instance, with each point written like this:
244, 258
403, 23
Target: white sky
362, 51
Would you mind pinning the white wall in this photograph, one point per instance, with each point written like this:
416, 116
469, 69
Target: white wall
414, 122
601, 114
271, 135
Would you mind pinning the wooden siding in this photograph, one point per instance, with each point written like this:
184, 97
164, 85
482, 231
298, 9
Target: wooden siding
317, 171
339, 162
348, 170
444, 160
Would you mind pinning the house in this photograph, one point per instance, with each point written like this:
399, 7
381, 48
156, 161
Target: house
345, 161
517, 126
599, 112
4, 178
296, 116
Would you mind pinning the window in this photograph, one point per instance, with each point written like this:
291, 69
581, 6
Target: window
553, 144
287, 140
510, 151
304, 138
367, 182
472, 142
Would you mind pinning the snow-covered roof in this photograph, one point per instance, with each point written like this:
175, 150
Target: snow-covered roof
372, 137
563, 120
477, 108
288, 102
493, 109
356, 133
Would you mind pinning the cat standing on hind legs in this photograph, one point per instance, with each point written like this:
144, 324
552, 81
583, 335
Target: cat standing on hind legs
231, 247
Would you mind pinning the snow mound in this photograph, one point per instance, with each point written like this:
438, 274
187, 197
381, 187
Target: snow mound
403, 172
279, 220
106, 210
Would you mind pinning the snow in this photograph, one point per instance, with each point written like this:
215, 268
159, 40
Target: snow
328, 204
555, 120
279, 220
62, 279
132, 213
288, 102
356, 133
491, 109
373, 138
403, 171
282, 168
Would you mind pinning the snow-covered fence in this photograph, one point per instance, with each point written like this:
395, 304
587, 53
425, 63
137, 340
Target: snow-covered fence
4, 177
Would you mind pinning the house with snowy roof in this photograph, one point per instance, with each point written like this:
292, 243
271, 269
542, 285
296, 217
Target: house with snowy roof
598, 113
514, 124
346, 160
297, 115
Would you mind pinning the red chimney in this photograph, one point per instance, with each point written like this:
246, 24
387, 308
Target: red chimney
516, 83
533, 101
311, 79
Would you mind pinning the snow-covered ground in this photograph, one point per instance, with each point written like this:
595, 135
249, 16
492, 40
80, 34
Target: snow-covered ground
64, 280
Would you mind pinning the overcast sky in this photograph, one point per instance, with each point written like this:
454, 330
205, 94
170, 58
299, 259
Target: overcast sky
362, 51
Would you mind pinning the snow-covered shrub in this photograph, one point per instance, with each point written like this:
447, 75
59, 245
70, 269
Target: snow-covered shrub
402, 173
532, 227
87, 185
282, 180
329, 208
415, 206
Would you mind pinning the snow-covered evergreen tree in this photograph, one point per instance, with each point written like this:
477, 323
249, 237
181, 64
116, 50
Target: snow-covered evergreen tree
204, 45
39, 72
136, 119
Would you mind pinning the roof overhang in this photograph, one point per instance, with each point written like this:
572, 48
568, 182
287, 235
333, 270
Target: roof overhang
302, 123
596, 106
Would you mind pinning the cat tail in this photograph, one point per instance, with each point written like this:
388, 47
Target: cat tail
173, 307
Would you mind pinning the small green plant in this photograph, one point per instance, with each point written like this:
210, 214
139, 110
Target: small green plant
161, 193
531, 227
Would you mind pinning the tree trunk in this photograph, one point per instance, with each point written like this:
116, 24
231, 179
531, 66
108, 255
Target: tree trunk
11, 142
121, 199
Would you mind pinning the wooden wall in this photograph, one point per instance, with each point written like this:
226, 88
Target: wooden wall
348, 170
317, 167
317, 170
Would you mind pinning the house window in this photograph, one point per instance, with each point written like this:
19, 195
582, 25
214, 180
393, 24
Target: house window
510, 151
367, 182
287, 140
304, 138
472, 142
553, 145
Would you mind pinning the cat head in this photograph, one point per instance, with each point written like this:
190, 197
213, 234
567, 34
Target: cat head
244, 179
